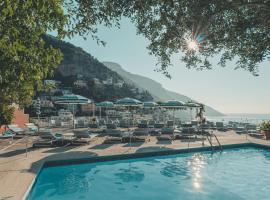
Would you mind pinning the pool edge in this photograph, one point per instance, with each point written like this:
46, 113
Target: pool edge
96, 159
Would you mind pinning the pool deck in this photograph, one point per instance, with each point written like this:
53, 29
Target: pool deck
18, 171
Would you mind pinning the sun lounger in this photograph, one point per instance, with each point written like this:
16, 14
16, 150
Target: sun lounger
47, 139
31, 129
159, 125
113, 136
111, 126
154, 132
170, 123
167, 133
256, 135
16, 129
141, 133
143, 124
93, 126
7, 134
128, 137
82, 137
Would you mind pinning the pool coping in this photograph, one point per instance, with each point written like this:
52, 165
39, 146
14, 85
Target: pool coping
97, 159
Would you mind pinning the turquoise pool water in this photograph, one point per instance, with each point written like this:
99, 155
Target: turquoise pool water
233, 174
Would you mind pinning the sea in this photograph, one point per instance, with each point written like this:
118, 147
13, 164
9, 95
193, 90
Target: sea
244, 118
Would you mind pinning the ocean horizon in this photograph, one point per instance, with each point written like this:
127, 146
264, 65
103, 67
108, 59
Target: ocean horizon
241, 117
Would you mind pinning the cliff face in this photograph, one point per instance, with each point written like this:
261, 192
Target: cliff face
154, 88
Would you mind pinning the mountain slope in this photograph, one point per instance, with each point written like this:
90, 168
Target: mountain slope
154, 88
85, 75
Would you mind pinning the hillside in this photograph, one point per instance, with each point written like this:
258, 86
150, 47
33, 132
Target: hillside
85, 75
154, 88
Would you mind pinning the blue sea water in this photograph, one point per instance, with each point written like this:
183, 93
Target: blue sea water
244, 118
230, 175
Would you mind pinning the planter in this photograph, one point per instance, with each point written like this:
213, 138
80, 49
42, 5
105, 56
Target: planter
267, 134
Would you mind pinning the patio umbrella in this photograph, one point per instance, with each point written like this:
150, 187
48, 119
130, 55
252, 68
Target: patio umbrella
130, 104
191, 105
173, 105
149, 105
72, 99
104, 104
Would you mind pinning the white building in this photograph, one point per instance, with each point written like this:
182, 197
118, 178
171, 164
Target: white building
80, 83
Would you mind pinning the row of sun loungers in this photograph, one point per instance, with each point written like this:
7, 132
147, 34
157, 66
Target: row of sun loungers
49, 139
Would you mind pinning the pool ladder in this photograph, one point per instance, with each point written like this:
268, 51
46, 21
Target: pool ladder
209, 138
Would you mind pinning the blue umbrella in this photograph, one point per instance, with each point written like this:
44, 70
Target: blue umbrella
173, 105
191, 105
126, 102
72, 99
149, 104
104, 104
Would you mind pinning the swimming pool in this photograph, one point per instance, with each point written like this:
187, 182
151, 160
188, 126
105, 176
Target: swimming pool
234, 174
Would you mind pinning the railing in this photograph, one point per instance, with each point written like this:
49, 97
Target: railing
209, 138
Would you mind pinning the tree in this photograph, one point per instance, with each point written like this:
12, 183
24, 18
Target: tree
199, 29
24, 59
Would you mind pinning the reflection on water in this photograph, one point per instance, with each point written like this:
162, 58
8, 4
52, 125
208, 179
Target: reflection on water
130, 174
172, 169
196, 164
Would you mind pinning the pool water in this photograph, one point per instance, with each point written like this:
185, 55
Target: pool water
234, 174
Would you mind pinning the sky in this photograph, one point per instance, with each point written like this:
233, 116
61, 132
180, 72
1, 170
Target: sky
225, 89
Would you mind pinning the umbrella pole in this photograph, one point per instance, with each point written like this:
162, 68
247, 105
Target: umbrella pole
99, 113
173, 118
130, 130
190, 112
106, 115
94, 111
73, 116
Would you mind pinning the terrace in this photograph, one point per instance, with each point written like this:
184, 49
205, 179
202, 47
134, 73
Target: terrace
18, 169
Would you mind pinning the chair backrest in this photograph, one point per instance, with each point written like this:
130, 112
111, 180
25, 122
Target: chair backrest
141, 132
82, 134
159, 125
46, 135
142, 125
111, 126
15, 128
113, 132
31, 126
167, 130
170, 123
93, 126
188, 130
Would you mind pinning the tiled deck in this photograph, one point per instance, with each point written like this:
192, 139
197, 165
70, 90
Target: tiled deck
17, 171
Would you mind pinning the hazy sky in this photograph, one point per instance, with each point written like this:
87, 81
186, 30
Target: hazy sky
225, 89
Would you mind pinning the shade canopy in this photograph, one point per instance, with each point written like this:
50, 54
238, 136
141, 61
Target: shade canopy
105, 104
173, 104
128, 102
72, 99
149, 104
191, 104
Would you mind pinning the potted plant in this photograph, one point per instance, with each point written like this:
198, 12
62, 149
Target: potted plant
265, 127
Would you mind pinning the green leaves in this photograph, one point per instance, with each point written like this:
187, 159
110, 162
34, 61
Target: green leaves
237, 30
24, 60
